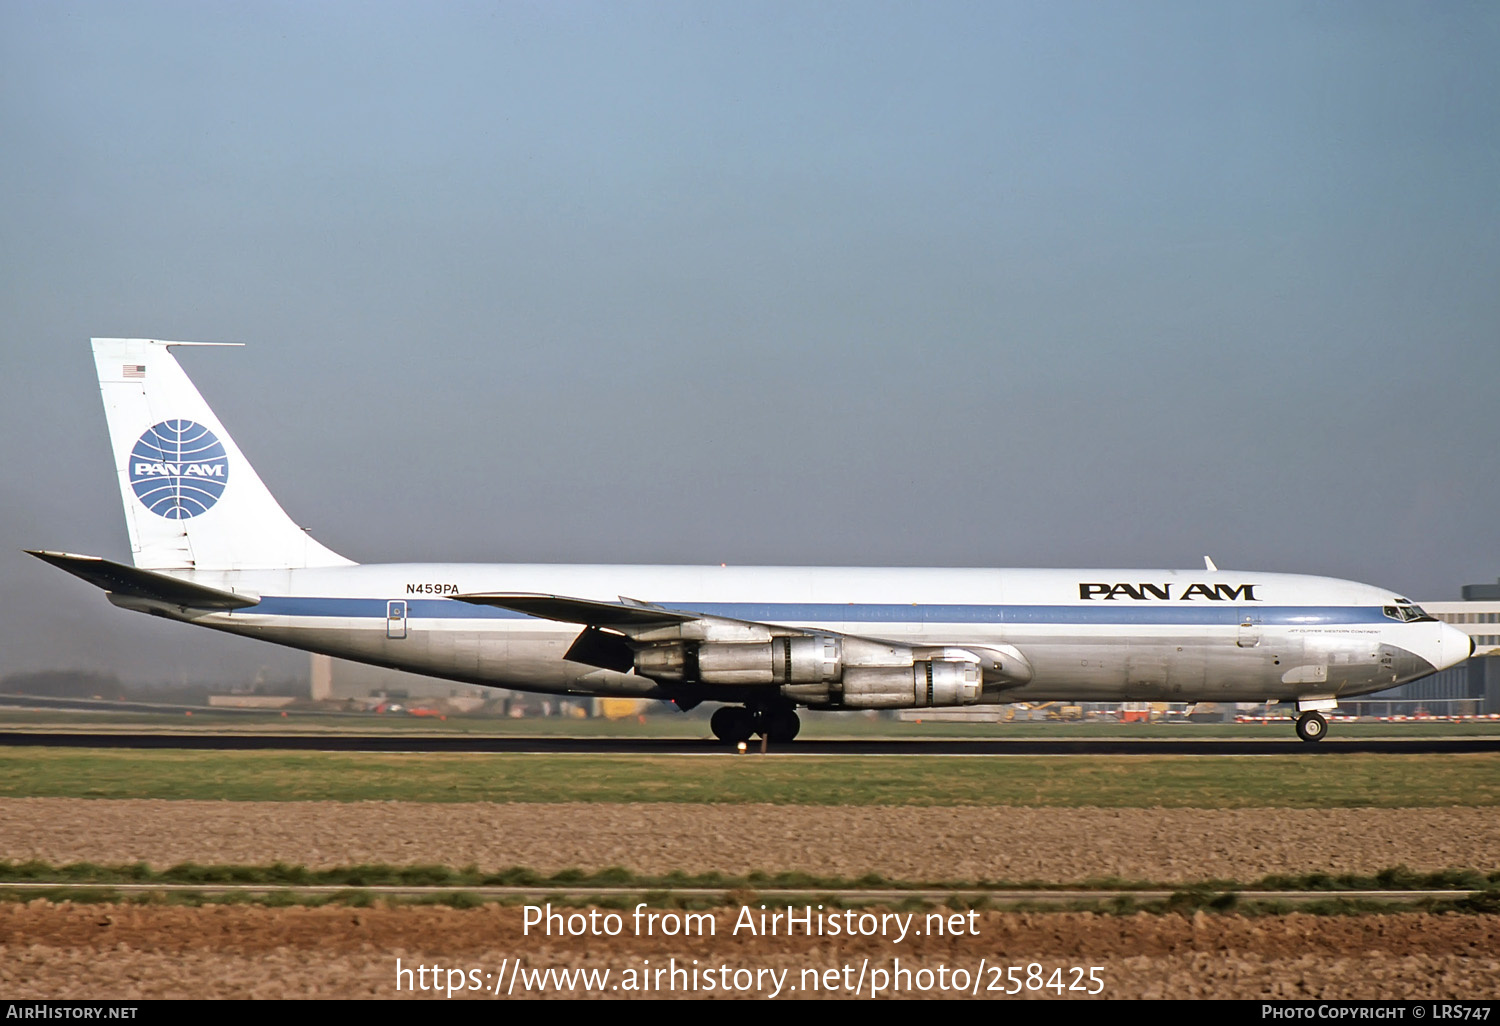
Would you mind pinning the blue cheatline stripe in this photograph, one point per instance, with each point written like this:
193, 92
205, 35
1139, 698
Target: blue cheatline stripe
832, 612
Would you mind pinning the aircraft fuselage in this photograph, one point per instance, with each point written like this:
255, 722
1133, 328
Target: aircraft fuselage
1155, 635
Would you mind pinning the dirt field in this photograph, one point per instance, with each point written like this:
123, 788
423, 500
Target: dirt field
927, 844
97, 951
107, 951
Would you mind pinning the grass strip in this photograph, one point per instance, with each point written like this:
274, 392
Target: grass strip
1182, 903
1322, 780
385, 875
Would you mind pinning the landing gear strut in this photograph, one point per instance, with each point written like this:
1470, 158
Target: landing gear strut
736, 723
1311, 726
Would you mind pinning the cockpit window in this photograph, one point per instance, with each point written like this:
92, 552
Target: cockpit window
1393, 613
1406, 612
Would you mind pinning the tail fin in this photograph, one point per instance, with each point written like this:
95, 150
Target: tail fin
192, 500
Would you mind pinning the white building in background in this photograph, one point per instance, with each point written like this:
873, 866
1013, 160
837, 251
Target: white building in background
1479, 620
1477, 615
1471, 687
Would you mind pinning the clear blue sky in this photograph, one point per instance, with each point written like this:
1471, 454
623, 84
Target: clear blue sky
1030, 284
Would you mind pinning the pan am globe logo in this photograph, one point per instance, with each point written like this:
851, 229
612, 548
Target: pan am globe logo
178, 469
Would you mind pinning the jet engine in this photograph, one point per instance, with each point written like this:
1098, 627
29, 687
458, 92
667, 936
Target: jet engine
799, 660
926, 682
823, 669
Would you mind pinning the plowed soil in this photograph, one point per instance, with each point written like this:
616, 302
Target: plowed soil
125, 952
923, 844
99, 951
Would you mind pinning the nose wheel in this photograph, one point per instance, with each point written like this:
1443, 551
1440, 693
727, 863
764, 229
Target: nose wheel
1311, 726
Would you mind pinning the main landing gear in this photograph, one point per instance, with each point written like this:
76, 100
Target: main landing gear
736, 723
1311, 726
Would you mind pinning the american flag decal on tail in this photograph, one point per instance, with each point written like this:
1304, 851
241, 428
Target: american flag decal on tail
135, 370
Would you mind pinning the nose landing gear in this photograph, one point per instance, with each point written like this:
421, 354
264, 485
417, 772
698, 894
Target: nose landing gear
736, 723
1311, 726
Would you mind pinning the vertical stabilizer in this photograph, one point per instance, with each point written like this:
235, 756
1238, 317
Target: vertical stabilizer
192, 500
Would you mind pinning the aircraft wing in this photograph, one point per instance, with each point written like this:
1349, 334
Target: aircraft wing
614, 631
619, 615
133, 582
639, 621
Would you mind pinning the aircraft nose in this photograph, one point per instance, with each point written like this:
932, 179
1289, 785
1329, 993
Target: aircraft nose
1455, 646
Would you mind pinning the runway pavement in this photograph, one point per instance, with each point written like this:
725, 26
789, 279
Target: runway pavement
1333, 746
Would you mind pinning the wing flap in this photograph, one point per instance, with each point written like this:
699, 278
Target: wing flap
603, 649
119, 579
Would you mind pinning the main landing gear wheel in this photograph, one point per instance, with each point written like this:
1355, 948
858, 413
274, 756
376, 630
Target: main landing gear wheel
732, 723
781, 725
1311, 726
736, 723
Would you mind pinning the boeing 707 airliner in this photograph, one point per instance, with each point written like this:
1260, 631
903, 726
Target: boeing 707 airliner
211, 546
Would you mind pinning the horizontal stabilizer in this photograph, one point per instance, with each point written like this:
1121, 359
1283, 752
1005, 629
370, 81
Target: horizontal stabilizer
119, 579
575, 610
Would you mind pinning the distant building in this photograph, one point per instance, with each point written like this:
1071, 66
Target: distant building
1477, 615
1471, 687
341, 680
1481, 592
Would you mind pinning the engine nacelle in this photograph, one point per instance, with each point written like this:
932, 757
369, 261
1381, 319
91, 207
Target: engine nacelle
927, 682
800, 660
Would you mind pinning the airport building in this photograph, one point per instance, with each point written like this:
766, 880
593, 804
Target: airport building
1477, 615
1469, 688
341, 680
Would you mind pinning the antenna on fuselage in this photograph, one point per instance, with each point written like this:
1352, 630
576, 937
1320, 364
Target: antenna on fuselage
1208, 564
